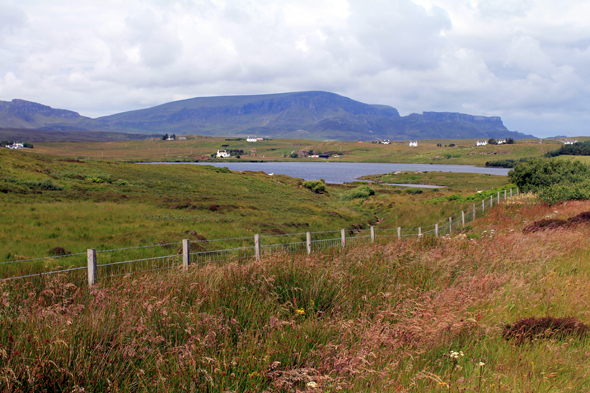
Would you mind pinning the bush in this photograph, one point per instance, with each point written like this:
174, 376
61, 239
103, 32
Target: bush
562, 192
42, 185
539, 173
315, 185
506, 163
414, 191
359, 192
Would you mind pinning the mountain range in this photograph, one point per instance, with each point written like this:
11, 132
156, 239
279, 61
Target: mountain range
307, 115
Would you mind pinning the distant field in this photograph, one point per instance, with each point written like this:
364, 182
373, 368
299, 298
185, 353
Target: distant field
49, 202
201, 148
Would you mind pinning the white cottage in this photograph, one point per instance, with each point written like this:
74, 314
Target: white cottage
16, 145
223, 154
481, 143
413, 143
251, 139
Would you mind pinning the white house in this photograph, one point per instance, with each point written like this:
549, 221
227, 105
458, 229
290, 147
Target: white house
501, 142
413, 143
386, 142
223, 154
481, 143
251, 139
569, 142
170, 138
16, 145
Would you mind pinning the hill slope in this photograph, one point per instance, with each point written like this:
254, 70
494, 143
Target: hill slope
311, 115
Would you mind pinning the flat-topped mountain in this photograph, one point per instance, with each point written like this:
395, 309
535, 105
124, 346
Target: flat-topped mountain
310, 115
26, 114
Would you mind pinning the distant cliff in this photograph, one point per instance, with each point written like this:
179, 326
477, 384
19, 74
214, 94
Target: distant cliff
25, 114
312, 115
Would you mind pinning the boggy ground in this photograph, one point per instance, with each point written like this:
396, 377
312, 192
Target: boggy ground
402, 316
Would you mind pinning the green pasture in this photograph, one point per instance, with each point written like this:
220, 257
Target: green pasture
201, 148
53, 204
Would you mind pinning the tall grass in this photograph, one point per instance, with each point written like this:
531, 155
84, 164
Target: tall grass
382, 317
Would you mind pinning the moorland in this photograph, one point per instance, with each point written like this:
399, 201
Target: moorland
427, 314
201, 148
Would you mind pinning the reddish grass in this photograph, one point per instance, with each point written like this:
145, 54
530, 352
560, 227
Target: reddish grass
379, 317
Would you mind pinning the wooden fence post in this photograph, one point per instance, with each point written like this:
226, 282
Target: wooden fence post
504, 194
399, 232
372, 234
474, 211
436, 229
491, 201
483, 205
517, 191
498, 197
462, 217
450, 225
308, 242
257, 248
511, 193
92, 263
343, 237
186, 253
419, 232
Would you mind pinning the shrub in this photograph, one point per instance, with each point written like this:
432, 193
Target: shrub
566, 191
539, 173
316, 186
414, 191
42, 185
359, 192
506, 163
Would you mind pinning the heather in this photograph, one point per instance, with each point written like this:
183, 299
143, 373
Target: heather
403, 316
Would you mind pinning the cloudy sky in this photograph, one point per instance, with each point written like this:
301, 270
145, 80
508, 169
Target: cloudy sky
527, 61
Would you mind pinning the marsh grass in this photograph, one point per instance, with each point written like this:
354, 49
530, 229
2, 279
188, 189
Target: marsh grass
109, 205
383, 317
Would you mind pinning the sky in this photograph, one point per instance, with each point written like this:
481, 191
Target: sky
527, 61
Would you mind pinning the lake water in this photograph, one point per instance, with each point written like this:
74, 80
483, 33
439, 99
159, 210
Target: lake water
341, 172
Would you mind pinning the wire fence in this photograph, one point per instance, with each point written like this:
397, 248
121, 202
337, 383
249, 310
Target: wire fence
95, 265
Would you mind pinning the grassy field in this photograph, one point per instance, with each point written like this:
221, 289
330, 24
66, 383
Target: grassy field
201, 148
51, 205
458, 182
398, 316
414, 315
